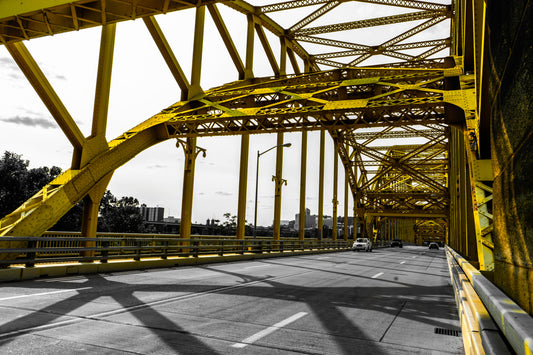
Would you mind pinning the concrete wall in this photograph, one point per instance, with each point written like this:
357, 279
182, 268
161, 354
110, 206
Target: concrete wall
510, 84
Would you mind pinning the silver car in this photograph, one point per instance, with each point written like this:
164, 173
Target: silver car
362, 244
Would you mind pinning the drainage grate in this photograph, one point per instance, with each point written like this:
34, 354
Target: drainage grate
451, 332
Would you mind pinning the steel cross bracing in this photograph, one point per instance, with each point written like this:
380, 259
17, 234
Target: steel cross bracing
338, 101
27, 20
403, 97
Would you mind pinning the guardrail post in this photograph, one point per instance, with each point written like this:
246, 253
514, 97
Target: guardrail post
281, 246
195, 246
31, 255
138, 250
241, 242
165, 250
105, 251
221, 250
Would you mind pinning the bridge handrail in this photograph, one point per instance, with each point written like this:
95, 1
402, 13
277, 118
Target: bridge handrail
515, 323
71, 247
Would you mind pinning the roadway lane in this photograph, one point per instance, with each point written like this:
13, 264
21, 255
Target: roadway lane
386, 302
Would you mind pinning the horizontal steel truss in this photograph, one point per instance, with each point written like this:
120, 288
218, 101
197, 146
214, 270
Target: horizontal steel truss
337, 101
410, 180
27, 20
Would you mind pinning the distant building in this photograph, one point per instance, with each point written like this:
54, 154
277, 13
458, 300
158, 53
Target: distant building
310, 221
171, 219
152, 214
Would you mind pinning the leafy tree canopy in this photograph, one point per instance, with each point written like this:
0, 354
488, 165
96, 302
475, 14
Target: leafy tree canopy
18, 183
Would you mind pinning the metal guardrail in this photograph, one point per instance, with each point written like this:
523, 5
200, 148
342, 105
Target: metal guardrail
483, 306
63, 247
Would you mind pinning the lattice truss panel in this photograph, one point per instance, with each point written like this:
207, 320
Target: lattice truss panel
327, 33
399, 180
339, 101
398, 163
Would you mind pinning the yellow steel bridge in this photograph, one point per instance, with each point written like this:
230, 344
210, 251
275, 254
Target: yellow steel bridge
439, 82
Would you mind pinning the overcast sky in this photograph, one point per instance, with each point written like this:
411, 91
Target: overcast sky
142, 86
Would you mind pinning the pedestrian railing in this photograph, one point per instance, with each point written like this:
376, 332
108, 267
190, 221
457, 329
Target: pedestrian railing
70, 247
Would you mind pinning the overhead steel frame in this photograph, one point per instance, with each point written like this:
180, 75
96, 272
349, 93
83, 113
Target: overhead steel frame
338, 101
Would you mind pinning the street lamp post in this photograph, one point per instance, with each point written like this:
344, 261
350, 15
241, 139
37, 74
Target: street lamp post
257, 180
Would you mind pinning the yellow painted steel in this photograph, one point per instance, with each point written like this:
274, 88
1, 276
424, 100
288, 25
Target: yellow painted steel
321, 187
335, 201
188, 187
303, 179
396, 99
243, 185
278, 183
345, 234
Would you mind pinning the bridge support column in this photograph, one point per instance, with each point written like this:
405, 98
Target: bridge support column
89, 223
335, 201
303, 175
243, 179
97, 141
345, 234
321, 188
279, 181
191, 152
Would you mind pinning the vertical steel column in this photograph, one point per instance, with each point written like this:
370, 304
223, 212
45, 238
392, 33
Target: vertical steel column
245, 140
103, 80
278, 181
321, 187
355, 222
303, 175
335, 188
188, 188
243, 185
250, 36
89, 224
97, 142
190, 146
345, 206
196, 71
283, 56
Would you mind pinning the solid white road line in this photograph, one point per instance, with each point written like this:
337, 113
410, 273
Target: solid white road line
252, 339
43, 293
377, 275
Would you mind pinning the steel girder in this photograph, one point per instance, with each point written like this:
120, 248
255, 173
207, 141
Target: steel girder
340, 101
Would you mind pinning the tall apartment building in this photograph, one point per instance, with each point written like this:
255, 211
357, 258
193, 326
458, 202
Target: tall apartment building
152, 214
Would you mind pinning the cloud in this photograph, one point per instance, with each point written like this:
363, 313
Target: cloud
8, 63
30, 121
222, 193
157, 166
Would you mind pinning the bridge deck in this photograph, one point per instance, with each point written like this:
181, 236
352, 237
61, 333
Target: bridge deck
389, 301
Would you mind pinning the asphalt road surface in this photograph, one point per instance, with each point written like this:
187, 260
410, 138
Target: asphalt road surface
389, 301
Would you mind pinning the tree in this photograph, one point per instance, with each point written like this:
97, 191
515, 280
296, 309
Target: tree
120, 215
230, 224
17, 183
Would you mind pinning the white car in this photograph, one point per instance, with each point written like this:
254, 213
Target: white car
362, 244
